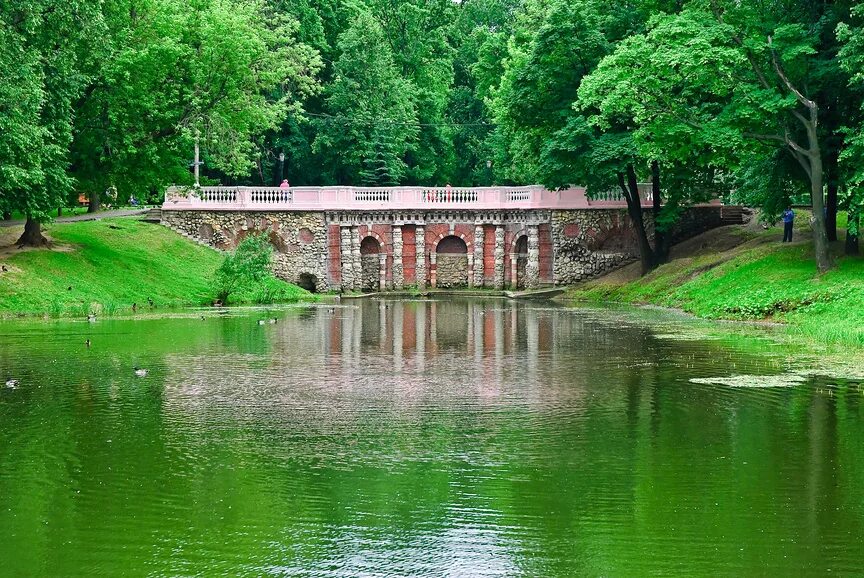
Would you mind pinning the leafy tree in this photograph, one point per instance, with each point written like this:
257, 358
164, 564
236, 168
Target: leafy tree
479, 35
21, 95
227, 70
417, 33
367, 95
248, 265
551, 135
852, 158
741, 75
42, 44
645, 139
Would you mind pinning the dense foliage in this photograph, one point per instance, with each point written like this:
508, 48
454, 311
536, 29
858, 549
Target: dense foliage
246, 276
760, 101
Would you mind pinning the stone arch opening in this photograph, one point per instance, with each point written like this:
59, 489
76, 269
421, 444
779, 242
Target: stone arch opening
370, 246
370, 250
452, 245
451, 262
308, 281
520, 249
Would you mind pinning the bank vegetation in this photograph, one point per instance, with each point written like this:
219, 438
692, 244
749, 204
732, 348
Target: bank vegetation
123, 267
743, 274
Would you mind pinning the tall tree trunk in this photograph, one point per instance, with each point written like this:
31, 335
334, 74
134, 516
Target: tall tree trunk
820, 237
630, 188
661, 238
32, 236
95, 202
852, 238
831, 198
811, 160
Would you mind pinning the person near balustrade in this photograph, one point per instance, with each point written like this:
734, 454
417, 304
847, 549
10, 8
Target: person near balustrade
284, 185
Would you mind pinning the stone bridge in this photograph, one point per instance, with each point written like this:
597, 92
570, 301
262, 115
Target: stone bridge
373, 239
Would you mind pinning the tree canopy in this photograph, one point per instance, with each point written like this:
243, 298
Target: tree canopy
758, 101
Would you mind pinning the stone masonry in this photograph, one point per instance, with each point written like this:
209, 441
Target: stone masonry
563, 246
532, 267
398, 269
499, 257
299, 238
370, 274
479, 239
452, 271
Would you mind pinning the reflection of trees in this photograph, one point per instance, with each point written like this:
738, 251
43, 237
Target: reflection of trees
470, 434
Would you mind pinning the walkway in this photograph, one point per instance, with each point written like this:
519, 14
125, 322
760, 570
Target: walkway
84, 217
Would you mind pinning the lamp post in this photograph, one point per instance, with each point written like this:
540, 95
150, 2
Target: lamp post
281, 167
488, 173
196, 162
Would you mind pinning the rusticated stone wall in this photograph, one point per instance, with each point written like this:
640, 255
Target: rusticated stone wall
696, 220
591, 243
563, 247
299, 239
371, 271
452, 270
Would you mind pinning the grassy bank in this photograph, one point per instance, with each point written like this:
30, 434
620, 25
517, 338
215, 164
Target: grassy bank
106, 266
743, 274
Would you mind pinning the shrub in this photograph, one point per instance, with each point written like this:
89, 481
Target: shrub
246, 277
247, 266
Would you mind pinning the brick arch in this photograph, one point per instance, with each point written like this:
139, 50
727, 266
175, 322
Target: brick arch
523, 232
375, 236
469, 243
379, 248
273, 237
618, 235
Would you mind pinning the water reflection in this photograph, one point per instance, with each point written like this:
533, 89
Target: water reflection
458, 437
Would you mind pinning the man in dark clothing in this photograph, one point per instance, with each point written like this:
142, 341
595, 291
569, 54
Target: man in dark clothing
788, 222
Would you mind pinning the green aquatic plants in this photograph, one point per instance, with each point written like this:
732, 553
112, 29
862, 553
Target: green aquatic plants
246, 276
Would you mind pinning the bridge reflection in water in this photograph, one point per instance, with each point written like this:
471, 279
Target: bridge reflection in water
415, 329
488, 345
420, 438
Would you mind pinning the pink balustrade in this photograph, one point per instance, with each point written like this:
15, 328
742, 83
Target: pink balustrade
390, 198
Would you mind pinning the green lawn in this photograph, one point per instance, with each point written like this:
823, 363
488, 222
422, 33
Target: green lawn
760, 279
106, 266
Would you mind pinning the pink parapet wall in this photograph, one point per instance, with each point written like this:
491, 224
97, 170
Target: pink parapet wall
388, 198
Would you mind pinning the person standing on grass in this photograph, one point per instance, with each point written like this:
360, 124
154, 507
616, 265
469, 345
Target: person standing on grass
788, 222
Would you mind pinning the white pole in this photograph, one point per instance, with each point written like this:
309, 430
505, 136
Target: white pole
197, 171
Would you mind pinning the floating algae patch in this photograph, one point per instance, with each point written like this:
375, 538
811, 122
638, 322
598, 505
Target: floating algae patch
754, 381
688, 336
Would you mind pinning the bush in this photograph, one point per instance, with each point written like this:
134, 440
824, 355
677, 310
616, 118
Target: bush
247, 266
246, 277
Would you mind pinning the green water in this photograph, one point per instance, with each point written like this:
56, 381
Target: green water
389, 438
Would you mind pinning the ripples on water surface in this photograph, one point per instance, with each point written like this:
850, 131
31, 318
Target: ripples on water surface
388, 438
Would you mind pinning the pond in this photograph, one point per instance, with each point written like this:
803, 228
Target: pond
421, 438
